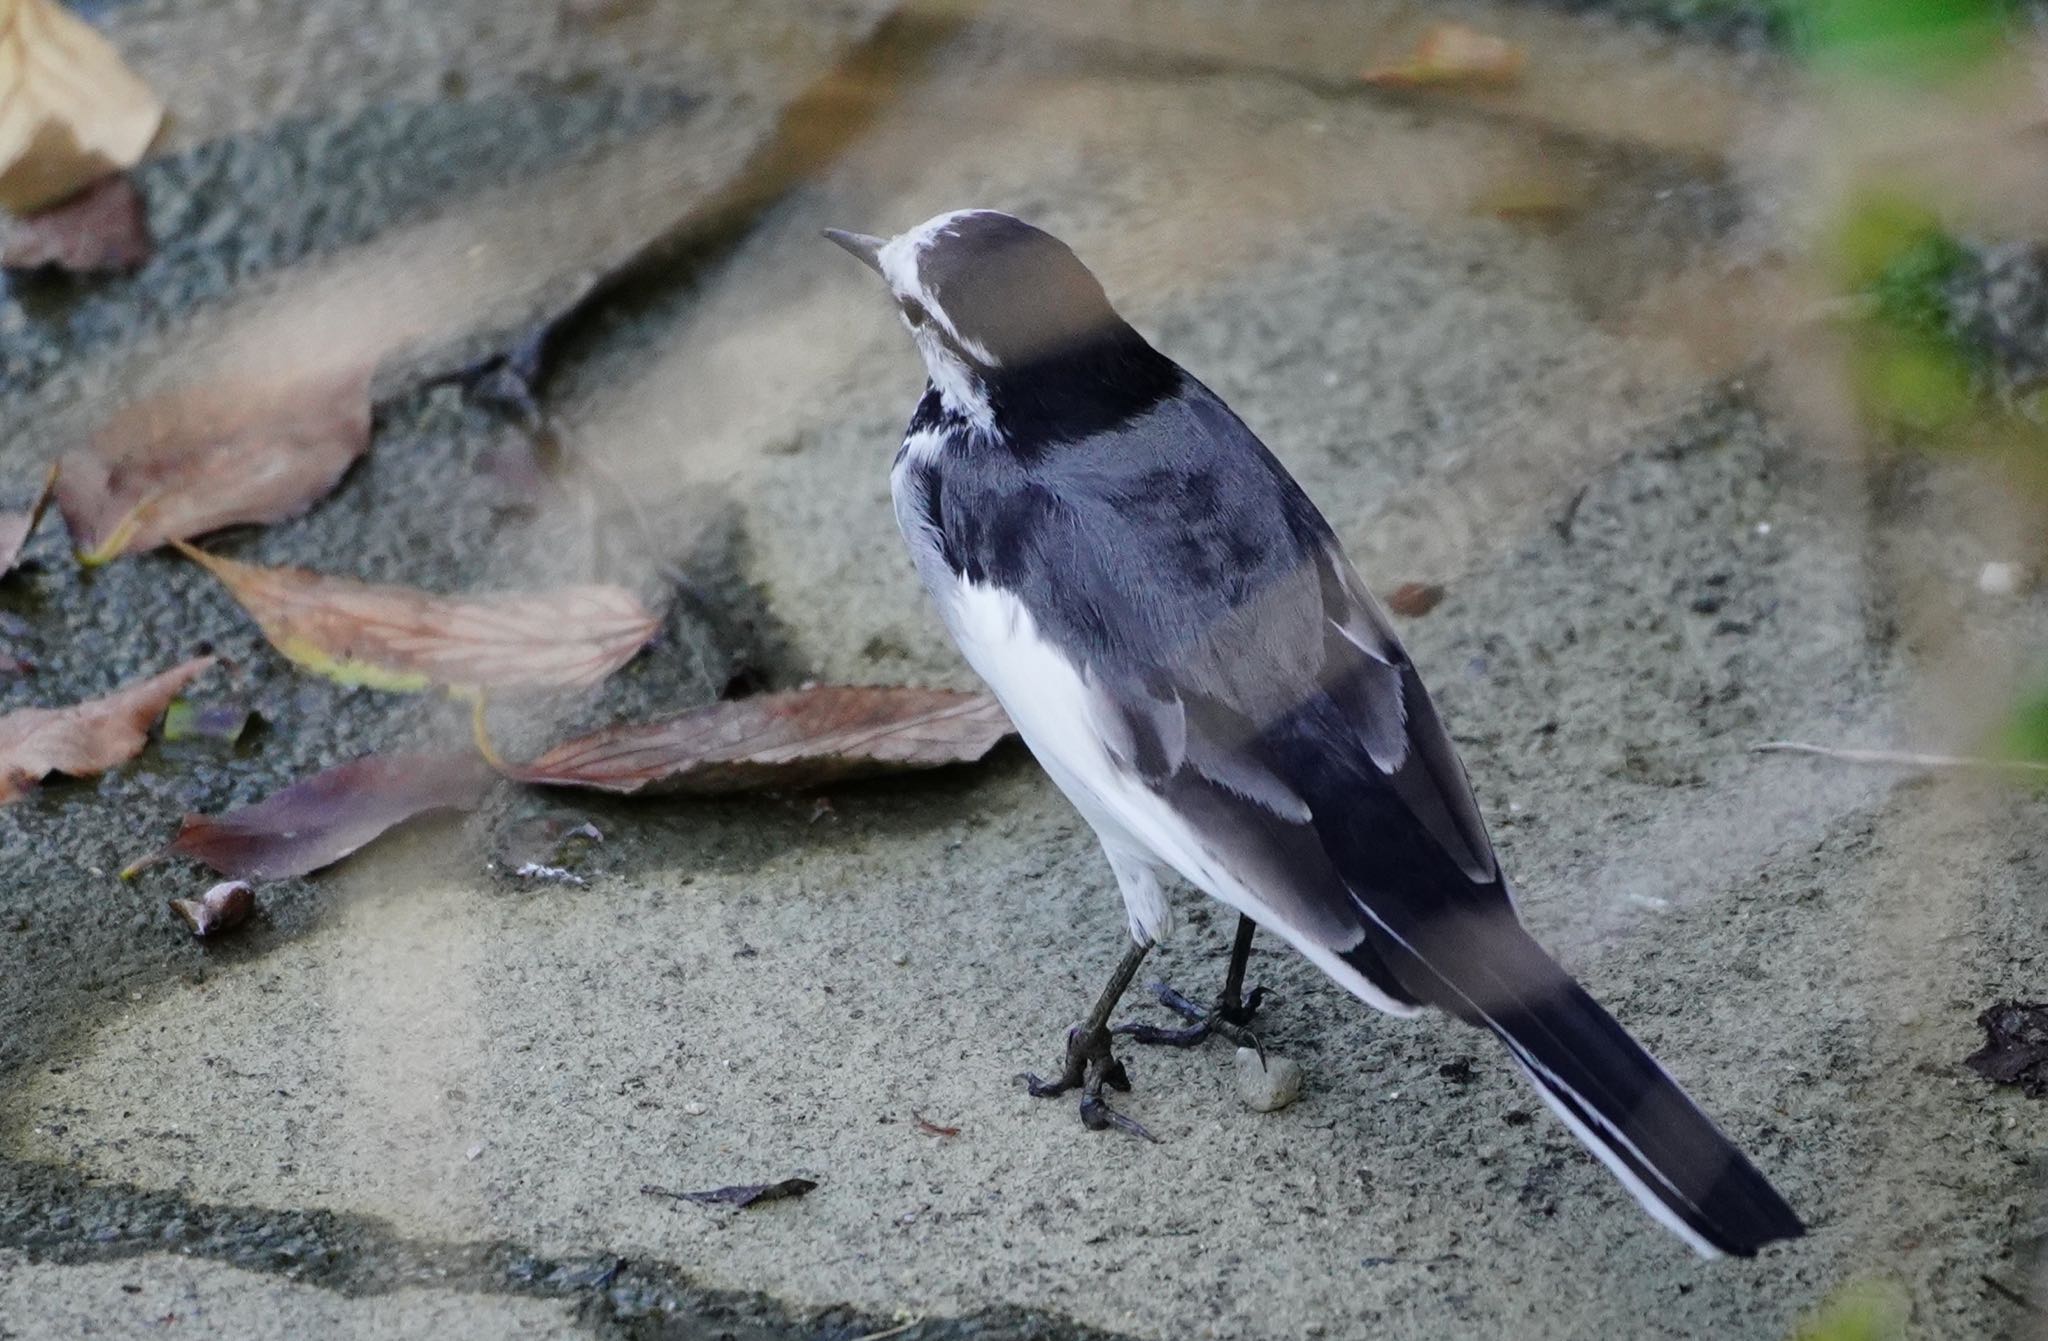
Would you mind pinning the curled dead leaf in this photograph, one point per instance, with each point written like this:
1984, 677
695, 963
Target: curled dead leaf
199, 458
103, 227
401, 639
70, 111
804, 738
89, 737
17, 527
318, 821
1454, 54
222, 908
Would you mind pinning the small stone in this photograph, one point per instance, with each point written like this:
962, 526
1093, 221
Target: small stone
2000, 579
473, 1153
693, 1109
1267, 1085
1415, 599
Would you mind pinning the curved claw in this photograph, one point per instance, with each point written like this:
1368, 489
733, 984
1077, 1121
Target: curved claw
1097, 1115
1090, 1066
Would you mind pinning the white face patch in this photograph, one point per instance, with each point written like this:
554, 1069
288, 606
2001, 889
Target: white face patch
958, 386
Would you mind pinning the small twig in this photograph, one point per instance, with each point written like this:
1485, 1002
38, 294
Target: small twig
930, 1128
898, 1330
480, 732
1901, 758
2010, 1295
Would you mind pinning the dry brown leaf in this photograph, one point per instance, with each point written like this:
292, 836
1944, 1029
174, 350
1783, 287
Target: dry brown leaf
1450, 54
70, 111
103, 227
401, 639
318, 821
17, 527
85, 738
200, 458
804, 738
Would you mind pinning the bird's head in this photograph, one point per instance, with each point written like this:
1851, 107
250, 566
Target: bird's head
989, 299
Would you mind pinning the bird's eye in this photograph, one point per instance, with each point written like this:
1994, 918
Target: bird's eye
913, 312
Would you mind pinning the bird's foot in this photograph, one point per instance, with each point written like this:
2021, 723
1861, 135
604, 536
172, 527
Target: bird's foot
1090, 1067
1229, 1018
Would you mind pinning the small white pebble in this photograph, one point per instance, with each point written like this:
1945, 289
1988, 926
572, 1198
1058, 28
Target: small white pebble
2000, 579
1267, 1086
473, 1152
1763, 528
693, 1109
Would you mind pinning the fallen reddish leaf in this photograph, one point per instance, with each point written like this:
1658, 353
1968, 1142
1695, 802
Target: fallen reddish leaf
103, 227
1415, 599
1453, 53
199, 458
17, 527
222, 908
402, 639
804, 738
85, 738
70, 111
318, 821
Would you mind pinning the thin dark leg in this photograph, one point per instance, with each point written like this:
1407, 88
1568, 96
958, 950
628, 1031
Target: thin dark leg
1229, 1017
1233, 1007
1090, 1064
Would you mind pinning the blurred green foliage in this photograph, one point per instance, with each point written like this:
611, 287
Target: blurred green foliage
1862, 1310
1919, 380
2026, 734
1908, 367
1916, 40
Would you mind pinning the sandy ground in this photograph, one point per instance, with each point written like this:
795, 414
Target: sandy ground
416, 1100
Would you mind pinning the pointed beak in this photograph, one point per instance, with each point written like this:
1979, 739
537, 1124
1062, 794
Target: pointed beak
867, 250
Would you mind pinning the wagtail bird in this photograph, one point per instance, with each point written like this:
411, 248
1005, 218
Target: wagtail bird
1180, 640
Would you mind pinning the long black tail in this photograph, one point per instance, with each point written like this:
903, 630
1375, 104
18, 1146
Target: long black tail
1634, 1117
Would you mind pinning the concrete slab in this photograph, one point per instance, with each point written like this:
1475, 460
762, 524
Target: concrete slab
748, 991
